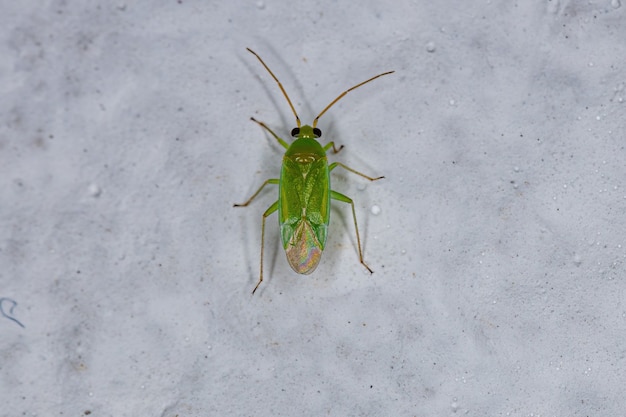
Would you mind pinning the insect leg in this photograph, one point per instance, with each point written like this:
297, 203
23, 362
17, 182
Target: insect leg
270, 181
340, 197
335, 164
269, 211
264, 126
335, 150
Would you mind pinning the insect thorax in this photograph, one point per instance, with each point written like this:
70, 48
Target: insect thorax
306, 146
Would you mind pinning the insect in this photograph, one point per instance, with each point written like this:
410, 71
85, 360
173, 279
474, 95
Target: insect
304, 190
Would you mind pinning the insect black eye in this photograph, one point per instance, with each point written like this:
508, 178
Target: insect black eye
295, 132
317, 132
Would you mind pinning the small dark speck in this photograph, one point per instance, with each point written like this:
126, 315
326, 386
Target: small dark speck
87, 412
371, 386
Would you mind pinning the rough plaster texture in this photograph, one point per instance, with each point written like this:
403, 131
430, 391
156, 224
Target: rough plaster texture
497, 236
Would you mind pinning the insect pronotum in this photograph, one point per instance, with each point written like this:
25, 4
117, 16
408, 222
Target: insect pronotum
304, 191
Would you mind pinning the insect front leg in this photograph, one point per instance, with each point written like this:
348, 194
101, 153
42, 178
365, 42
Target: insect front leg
340, 197
264, 126
269, 211
270, 181
332, 144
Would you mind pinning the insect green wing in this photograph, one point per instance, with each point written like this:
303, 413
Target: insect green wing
304, 204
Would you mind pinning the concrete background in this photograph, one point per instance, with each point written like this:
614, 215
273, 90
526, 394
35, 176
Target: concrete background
497, 236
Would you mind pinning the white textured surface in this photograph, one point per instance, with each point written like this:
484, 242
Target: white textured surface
497, 237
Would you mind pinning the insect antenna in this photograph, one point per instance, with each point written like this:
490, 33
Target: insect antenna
342, 94
281, 86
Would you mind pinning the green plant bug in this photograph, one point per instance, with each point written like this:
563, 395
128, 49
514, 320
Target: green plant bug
304, 191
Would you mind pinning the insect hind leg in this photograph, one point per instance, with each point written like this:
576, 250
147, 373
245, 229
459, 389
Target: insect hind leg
340, 197
269, 211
